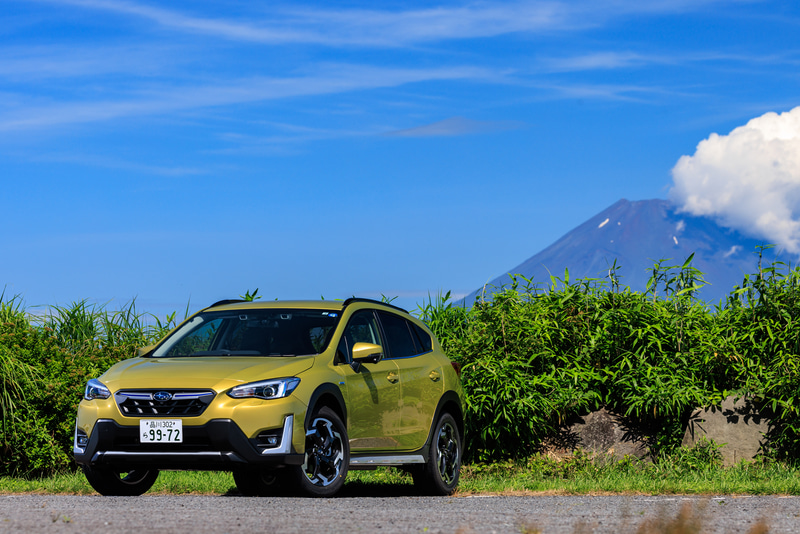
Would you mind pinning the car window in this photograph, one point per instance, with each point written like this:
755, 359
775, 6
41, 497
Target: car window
401, 342
423, 337
362, 328
254, 332
200, 338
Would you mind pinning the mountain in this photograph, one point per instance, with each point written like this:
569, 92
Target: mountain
636, 235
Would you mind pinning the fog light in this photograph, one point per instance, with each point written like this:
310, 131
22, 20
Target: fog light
81, 440
268, 441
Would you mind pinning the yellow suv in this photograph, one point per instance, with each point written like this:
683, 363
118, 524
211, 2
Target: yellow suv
288, 396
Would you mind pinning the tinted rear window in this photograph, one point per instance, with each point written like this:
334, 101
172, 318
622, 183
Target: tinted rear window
401, 341
423, 337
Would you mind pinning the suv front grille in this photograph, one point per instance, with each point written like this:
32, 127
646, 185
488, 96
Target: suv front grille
163, 402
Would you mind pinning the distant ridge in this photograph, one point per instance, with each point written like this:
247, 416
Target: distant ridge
637, 234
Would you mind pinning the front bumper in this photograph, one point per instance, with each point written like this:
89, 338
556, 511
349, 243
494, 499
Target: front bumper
219, 444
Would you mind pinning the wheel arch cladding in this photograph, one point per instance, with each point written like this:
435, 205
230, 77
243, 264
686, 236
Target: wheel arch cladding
450, 403
327, 395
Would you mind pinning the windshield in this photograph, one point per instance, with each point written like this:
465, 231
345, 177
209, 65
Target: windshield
264, 332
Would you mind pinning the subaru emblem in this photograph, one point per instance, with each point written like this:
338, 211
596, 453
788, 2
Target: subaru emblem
162, 396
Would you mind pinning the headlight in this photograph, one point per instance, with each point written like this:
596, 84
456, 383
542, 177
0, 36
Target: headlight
265, 389
96, 390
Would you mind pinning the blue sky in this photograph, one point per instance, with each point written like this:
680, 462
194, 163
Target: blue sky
188, 151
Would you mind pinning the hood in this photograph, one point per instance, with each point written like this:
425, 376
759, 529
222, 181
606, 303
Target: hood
217, 373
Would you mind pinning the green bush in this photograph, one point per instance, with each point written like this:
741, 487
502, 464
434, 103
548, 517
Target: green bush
44, 368
533, 358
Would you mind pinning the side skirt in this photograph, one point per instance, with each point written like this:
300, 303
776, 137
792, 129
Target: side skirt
395, 460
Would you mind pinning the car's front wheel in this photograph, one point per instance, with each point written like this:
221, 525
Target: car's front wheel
125, 483
327, 456
439, 475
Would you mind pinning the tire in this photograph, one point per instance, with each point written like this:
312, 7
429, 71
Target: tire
107, 481
439, 475
254, 482
327, 456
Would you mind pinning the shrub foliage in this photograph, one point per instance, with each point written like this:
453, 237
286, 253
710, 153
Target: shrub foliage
532, 358
44, 365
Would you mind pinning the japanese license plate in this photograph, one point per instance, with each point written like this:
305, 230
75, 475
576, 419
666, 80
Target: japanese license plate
160, 431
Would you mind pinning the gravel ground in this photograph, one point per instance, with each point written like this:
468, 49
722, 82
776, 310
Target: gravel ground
387, 515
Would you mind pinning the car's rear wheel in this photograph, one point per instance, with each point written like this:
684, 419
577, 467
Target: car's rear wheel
108, 481
327, 456
439, 475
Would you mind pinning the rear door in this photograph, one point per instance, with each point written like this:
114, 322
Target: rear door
420, 377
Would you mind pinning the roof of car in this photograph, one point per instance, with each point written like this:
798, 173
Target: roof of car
297, 304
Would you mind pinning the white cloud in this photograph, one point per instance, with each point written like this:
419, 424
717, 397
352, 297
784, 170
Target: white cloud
366, 27
597, 61
391, 28
332, 80
748, 180
228, 29
24, 64
612, 60
733, 250
624, 93
121, 164
457, 126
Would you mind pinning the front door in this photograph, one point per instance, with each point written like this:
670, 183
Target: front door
373, 413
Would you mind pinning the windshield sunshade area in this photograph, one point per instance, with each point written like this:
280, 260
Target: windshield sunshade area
256, 332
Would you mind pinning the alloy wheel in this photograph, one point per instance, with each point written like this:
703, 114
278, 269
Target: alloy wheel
324, 453
447, 447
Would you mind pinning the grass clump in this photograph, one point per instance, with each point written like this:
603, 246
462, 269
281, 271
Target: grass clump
670, 474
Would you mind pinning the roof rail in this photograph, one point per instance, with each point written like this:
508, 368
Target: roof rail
371, 301
227, 301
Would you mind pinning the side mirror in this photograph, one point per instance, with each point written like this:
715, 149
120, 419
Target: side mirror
365, 353
141, 351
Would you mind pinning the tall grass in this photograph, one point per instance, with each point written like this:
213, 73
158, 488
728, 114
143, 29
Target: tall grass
82, 326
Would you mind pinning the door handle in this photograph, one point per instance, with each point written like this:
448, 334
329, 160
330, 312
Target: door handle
393, 377
435, 376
